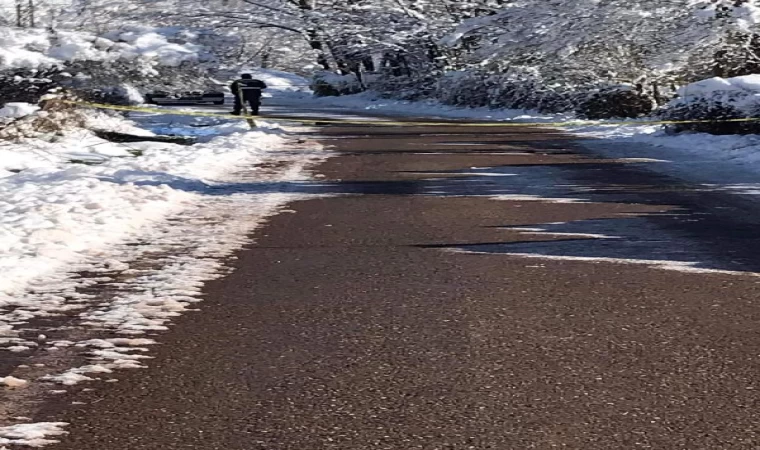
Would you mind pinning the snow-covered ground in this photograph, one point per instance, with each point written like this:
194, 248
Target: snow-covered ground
63, 201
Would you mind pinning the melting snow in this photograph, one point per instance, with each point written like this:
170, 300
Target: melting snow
31, 434
13, 382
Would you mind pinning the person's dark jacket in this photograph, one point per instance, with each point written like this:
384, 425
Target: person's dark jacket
251, 89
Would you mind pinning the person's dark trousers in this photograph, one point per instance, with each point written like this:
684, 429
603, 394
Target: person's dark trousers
238, 106
254, 107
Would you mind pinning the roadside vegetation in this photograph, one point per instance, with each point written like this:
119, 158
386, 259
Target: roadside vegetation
597, 60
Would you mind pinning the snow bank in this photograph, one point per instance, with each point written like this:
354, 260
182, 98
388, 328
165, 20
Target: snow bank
741, 92
727, 160
188, 208
63, 201
34, 48
72, 205
746, 83
744, 14
31, 434
24, 48
15, 110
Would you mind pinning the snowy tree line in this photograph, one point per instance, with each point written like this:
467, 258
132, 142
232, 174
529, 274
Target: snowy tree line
547, 54
553, 55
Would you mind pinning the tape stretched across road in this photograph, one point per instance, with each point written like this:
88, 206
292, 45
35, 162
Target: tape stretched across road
181, 112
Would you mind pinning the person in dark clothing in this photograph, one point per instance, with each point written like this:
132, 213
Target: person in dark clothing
247, 90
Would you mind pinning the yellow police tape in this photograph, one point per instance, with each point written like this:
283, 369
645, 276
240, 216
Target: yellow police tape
395, 123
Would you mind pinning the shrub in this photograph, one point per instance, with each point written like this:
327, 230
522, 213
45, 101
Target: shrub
117, 81
513, 90
328, 84
715, 113
28, 85
615, 101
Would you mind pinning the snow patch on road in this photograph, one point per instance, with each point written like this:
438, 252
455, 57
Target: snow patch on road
543, 232
678, 266
32, 434
667, 265
13, 382
536, 198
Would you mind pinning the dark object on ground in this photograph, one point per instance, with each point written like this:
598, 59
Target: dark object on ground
617, 101
247, 90
334, 87
112, 96
27, 85
323, 89
114, 136
714, 114
184, 98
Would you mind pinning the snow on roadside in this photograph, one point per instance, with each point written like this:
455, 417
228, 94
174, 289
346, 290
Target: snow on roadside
730, 161
115, 240
148, 230
373, 103
80, 204
15, 110
55, 212
191, 251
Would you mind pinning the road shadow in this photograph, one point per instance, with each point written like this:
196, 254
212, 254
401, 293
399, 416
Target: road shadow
707, 227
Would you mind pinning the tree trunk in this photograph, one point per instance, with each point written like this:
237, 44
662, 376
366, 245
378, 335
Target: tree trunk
369, 64
31, 13
19, 14
316, 44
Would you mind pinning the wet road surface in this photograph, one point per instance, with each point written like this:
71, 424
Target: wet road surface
461, 289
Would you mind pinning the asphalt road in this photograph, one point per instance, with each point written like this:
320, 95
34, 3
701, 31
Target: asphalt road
416, 310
